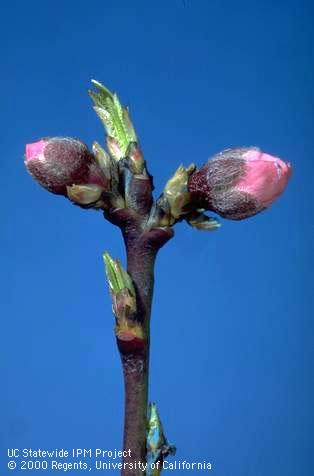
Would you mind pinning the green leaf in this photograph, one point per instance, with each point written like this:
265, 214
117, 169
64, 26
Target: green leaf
110, 272
129, 129
117, 276
101, 88
114, 117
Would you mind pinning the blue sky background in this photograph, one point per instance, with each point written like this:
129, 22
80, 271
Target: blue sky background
232, 326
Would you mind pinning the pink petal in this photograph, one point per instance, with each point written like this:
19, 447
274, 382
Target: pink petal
265, 176
35, 149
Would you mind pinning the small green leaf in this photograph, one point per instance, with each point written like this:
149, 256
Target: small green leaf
101, 88
114, 117
117, 276
110, 272
129, 129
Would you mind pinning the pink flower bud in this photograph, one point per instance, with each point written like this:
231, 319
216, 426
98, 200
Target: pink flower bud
60, 162
238, 183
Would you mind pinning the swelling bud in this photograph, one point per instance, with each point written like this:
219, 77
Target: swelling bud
239, 183
59, 162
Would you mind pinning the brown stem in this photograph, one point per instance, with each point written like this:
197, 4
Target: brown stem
142, 241
141, 248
